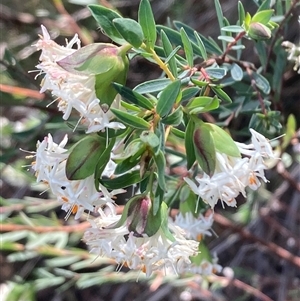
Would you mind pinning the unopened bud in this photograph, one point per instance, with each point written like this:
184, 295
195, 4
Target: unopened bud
259, 31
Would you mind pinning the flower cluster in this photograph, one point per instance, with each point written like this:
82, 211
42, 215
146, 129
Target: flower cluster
233, 174
294, 54
171, 251
73, 90
76, 196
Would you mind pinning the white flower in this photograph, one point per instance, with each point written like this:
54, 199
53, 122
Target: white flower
145, 253
72, 90
194, 228
75, 196
206, 268
294, 54
232, 175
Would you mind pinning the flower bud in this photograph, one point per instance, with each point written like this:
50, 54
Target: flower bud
105, 61
138, 212
259, 31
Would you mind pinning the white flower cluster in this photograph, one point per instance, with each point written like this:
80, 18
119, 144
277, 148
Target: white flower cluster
76, 196
72, 91
294, 54
147, 254
233, 175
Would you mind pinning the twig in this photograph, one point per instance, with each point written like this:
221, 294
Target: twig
279, 251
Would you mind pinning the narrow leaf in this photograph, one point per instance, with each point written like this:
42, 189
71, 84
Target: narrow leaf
175, 118
151, 86
262, 83
160, 162
133, 97
236, 72
131, 120
168, 49
147, 22
168, 98
241, 11
189, 144
222, 94
188, 49
201, 45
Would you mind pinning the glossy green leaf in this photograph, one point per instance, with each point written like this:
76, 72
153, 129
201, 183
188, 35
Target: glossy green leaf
147, 22
204, 148
84, 156
188, 49
223, 141
123, 181
201, 45
126, 165
236, 72
131, 120
222, 94
227, 39
263, 16
151, 86
167, 98
104, 17
175, 118
266, 5
168, 49
206, 104
133, 97
130, 30
189, 144
178, 133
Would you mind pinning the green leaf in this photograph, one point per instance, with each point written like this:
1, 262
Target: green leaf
200, 102
210, 47
188, 49
262, 83
175, 118
204, 148
151, 86
223, 141
130, 30
178, 133
189, 144
201, 45
222, 94
158, 200
227, 39
241, 11
236, 72
126, 165
220, 18
167, 98
217, 73
189, 93
160, 162
104, 17
103, 160
233, 28
263, 16
84, 156
147, 22
131, 120
123, 181
149, 138
133, 97
265, 5
168, 49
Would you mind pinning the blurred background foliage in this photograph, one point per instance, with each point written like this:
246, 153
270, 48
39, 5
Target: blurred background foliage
42, 256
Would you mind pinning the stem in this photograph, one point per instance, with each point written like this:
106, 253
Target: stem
124, 49
230, 45
159, 62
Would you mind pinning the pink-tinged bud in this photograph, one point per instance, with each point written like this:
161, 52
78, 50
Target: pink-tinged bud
138, 212
259, 31
105, 61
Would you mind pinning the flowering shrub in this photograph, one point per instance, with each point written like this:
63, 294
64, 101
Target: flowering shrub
168, 141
